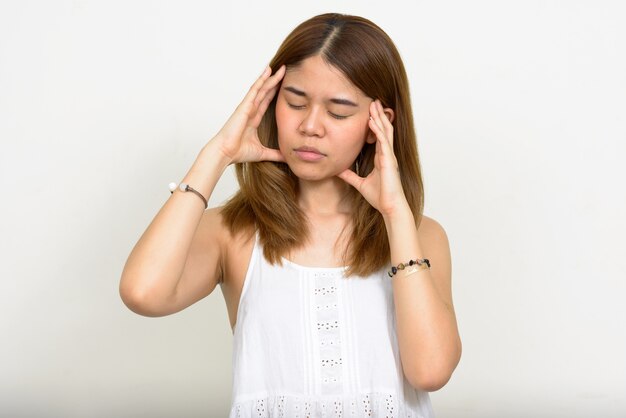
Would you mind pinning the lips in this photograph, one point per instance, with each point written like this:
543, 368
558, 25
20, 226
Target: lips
309, 154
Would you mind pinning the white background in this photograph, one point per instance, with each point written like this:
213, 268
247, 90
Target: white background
520, 113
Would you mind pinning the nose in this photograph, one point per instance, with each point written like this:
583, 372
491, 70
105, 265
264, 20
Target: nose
312, 124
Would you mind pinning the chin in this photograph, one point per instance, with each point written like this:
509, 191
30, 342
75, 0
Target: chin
310, 172
308, 175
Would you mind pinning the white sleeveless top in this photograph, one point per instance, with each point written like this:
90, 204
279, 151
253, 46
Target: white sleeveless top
309, 342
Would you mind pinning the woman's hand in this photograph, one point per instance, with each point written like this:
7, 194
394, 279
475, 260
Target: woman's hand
238, 139
382, 187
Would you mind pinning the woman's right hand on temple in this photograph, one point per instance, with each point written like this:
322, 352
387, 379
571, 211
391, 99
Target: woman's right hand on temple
238, 139
177, 260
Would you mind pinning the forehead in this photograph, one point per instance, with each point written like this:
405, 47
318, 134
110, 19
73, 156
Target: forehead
318, 78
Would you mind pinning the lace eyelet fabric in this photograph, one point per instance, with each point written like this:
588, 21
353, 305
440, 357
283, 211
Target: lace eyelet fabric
380, 405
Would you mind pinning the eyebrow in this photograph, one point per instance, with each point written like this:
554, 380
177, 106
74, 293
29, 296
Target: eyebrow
334, 100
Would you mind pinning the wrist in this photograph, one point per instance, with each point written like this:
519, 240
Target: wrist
206, 170
398, 213
213, 151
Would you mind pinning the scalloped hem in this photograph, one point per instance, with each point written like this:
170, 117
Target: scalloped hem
376, 405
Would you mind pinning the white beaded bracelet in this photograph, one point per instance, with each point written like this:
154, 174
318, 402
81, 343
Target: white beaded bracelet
184, 187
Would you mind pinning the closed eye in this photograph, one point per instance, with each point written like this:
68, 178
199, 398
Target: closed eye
336, 116
333, 115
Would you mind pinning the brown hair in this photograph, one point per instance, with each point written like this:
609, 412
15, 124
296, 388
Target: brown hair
267, 199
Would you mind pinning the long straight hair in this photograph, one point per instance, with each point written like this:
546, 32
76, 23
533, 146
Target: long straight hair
267, 199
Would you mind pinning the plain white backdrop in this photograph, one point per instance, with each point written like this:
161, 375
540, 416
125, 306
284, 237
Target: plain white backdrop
520, 112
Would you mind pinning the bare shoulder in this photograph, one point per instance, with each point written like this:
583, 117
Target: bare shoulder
431, 233
213, 220
212, 228
214, 223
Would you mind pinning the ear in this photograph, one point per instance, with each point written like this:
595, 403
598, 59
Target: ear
390, 114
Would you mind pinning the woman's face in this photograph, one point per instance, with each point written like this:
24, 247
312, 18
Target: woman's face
322, 120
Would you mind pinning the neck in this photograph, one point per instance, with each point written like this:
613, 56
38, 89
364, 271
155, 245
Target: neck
324, 197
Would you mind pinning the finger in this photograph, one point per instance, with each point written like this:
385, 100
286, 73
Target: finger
384, 149
254, 89
267, 99
380, 137
385, 156
269, 85
375, 115
269, 154
382, 122
256, 86
262, 107
351, 178
386, 123
378, 127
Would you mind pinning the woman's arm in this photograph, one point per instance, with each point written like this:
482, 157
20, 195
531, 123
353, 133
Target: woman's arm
428, 338
177, 260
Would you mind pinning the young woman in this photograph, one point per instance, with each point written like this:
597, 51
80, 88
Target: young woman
337, 287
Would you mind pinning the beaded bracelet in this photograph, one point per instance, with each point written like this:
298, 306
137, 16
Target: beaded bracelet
402, 266
184, 187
